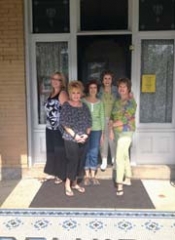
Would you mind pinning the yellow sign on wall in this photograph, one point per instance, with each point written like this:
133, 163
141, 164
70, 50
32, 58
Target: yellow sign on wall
148, 83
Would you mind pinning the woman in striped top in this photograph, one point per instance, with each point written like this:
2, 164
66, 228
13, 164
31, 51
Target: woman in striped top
96, 108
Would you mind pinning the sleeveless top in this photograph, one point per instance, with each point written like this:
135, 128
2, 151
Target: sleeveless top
52, 109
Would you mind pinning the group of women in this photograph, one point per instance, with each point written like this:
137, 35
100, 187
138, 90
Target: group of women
80, 122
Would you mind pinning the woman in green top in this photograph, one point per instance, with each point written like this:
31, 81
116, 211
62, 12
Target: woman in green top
108, 94
96, 135
122, 128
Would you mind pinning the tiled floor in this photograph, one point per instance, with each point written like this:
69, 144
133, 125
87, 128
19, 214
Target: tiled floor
18, 222
86, 225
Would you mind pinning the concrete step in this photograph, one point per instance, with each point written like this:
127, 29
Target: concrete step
139, 172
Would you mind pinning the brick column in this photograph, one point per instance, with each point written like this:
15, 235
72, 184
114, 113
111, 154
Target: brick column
13, 120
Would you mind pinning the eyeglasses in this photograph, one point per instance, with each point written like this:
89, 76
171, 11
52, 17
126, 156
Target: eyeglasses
57, 79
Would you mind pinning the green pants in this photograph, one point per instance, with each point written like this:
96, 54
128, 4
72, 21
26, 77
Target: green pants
122, 166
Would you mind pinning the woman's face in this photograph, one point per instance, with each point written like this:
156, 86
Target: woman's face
93, 90
75, 94
123, 89
107, 80
56, 81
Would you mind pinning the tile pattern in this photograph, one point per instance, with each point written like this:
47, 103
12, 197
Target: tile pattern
86, 224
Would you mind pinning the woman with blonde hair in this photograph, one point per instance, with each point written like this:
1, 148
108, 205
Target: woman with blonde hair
75, 118
55, 152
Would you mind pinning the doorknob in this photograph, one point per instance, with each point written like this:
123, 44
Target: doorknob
131, 47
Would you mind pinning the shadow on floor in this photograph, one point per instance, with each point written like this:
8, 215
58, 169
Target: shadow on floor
6, 187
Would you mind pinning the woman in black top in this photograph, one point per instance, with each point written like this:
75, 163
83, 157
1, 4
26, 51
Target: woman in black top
76, 120
55, 151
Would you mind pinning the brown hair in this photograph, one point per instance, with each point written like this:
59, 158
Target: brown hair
92, 81
107, 72
127, 81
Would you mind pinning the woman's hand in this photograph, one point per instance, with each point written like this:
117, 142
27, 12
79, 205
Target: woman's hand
81, 138
117, 123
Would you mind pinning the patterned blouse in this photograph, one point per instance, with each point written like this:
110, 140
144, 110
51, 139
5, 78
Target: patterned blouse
52, 109
76, 118
125, 112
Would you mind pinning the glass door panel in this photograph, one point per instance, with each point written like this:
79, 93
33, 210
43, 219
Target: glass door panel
50, 57
103, 15
157, 59
50, 16
99, 53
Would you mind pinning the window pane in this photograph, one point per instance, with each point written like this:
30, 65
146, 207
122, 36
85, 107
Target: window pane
157, 59
156, 15
50, 16
50, 57
116, 56
104, 15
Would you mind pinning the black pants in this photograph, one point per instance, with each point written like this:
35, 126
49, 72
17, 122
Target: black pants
75, 155
56, 156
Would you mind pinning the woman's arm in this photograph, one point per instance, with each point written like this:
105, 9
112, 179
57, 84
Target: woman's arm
63, 97
75, 136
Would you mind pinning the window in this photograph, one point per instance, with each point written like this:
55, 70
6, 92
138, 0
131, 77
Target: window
104, 15
50, 16
157, 60
156, 15
50, 57
115, 56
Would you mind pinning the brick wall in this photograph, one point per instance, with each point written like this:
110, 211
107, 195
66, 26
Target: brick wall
13, 137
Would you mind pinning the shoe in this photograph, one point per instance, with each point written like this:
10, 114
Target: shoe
95, 181
104, 164
112, 161
69, 193
87, 181
120, 192
58, 180
78, 188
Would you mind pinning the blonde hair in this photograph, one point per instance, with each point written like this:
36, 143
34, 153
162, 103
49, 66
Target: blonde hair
75, 84
63, 79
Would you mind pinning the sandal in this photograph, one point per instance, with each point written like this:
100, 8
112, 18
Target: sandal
78, 188
69, 193
95, 181
127, 183
87, 181
48, 178
58, 180
120, 192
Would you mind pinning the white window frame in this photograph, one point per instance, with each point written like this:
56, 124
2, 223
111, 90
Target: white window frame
147, 35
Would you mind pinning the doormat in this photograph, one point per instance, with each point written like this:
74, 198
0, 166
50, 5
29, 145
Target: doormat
102, 196
60, 224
